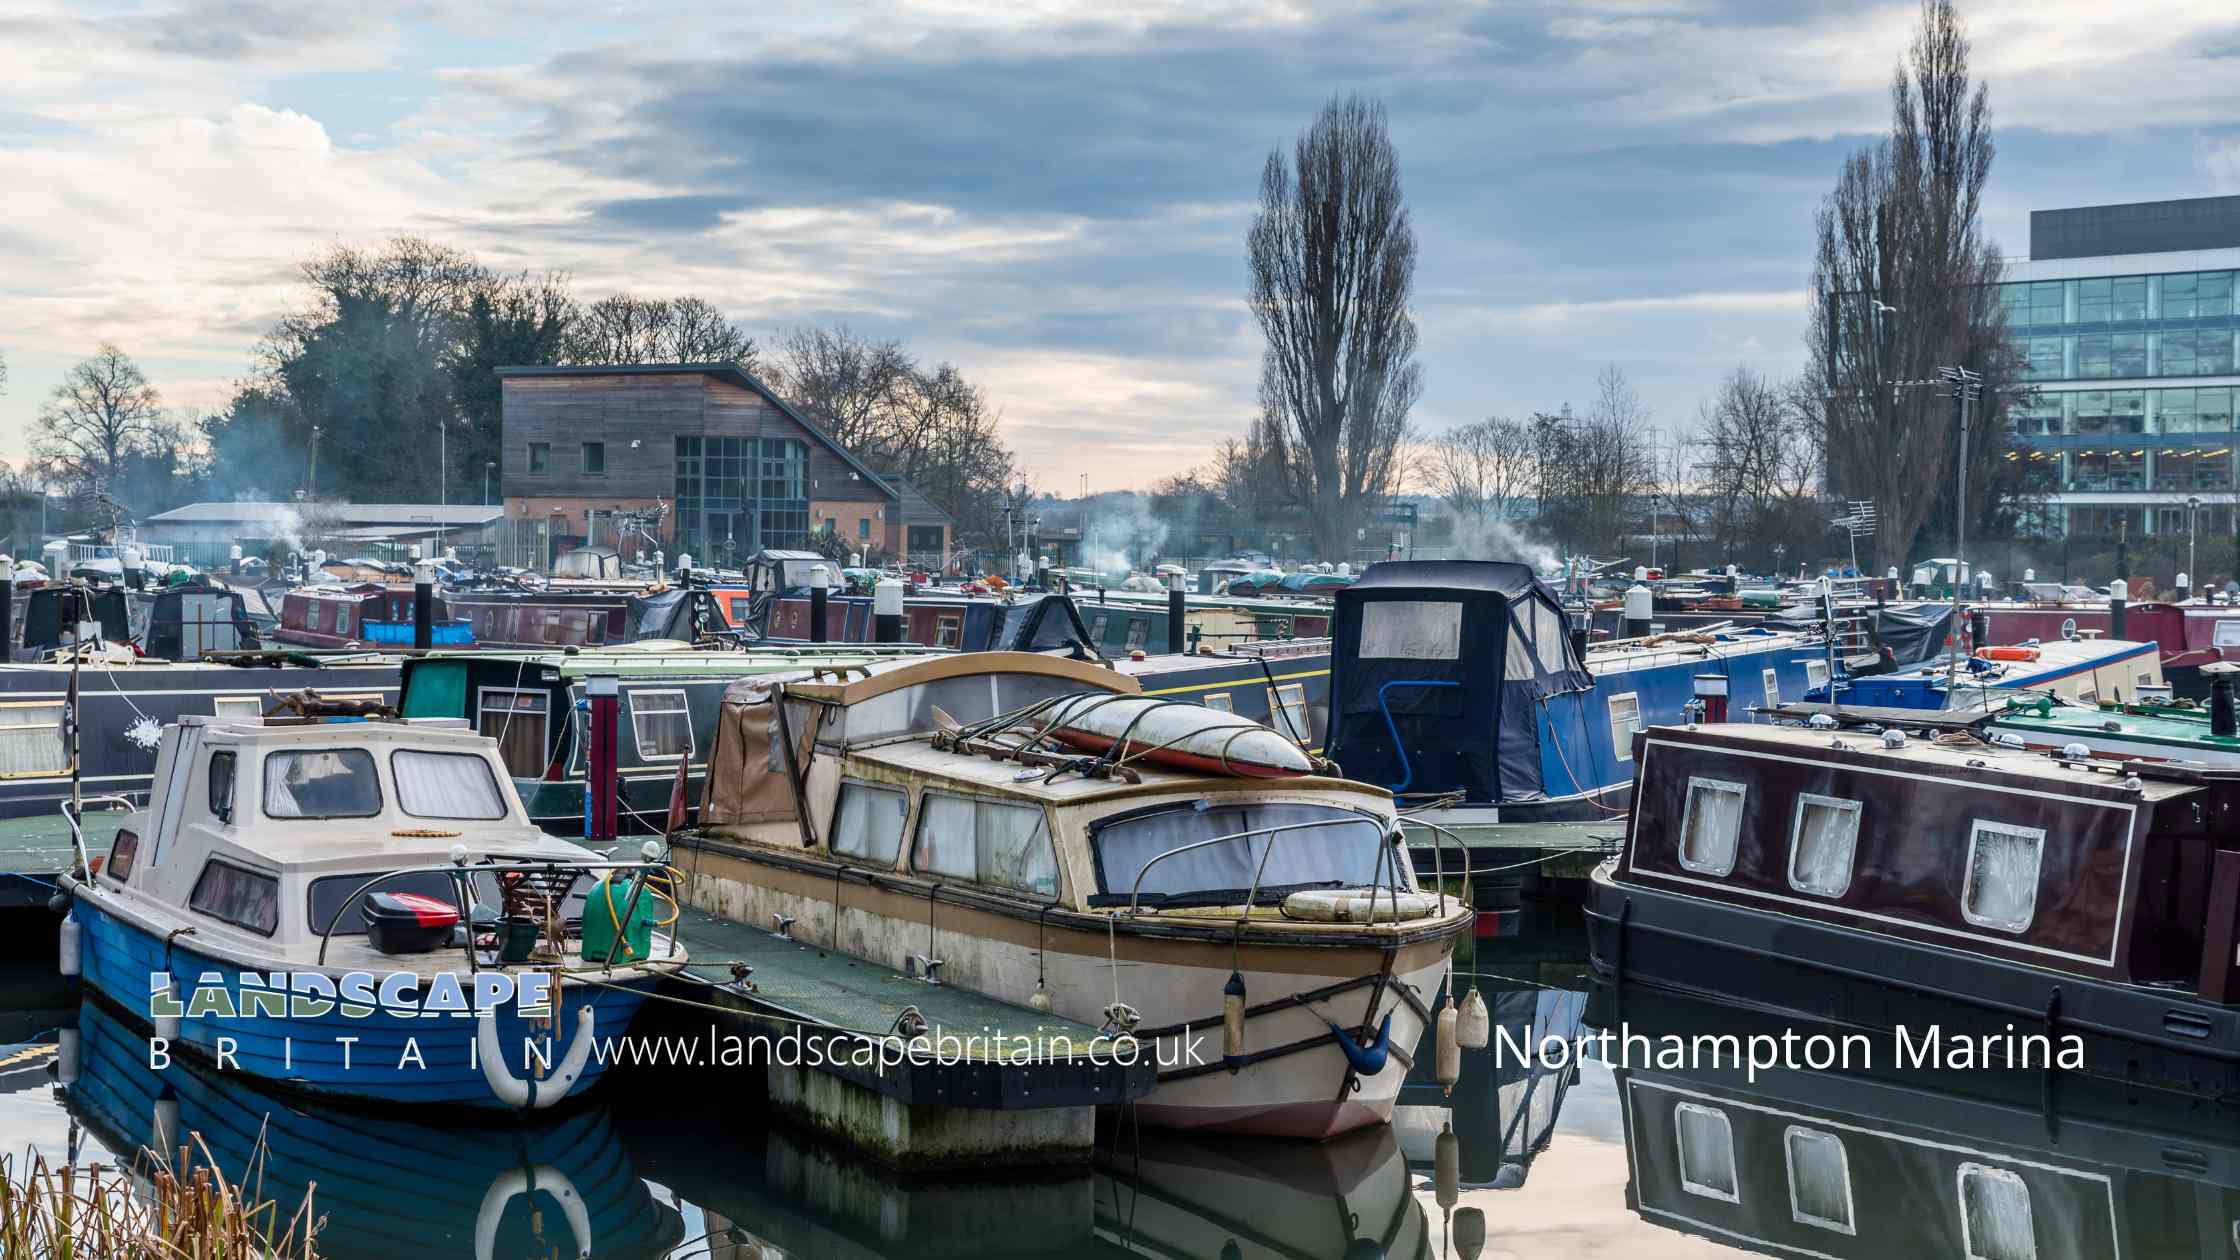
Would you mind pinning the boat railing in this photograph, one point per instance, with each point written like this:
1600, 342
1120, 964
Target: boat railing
73, 812
1252, 893
459, 871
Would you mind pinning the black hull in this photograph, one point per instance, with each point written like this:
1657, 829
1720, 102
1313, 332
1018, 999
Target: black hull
1853, 979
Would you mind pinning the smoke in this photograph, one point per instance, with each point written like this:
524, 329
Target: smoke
1491, 538
1118, 531
287, 525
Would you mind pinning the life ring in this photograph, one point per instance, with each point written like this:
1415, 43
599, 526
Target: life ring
2006, 654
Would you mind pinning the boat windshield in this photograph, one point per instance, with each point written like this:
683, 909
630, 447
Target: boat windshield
321, 783
1343, 852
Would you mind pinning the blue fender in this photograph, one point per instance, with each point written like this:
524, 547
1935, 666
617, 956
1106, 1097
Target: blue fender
1367, 1060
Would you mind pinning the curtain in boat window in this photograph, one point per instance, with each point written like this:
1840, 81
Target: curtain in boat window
321, 783
868, 823
2002, 881
945, 838
1819, 1179
446, 785
1706, 1152
1711, 827
1414, 630
1343, 854
1014, 848
1995, 1214
1824, 838
31, 740
243, 898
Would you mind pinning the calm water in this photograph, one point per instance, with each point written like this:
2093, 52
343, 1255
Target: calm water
1571, 1159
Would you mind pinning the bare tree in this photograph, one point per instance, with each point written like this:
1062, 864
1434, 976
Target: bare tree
1481, 469
622, 328
850, 384
1594, 473
1759, 458
1903, 283
1332, 258
102, 414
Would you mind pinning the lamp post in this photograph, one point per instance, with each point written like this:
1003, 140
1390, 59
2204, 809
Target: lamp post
2193, 515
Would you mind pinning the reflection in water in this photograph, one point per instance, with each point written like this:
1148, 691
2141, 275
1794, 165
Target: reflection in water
1504, 1108
519, 1186
1994, 1164
1176, 1195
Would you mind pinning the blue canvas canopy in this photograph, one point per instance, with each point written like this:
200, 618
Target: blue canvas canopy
1437, 669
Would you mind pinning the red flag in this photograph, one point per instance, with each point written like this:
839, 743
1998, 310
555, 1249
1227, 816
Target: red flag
677, 799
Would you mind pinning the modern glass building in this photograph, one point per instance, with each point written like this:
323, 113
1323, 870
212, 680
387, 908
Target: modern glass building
2127, 320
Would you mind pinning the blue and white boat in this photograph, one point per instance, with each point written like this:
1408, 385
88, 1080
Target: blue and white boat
362, 909
1461, 679
2083, 671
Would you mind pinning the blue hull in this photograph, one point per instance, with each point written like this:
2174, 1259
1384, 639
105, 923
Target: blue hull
1583, 757
395, 1057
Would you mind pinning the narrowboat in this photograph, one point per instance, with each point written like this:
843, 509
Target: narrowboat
2016, 902
319, 903
1458, 686
387, 1185
1871, 1162
532, 704
2049, 613
2147, 729
125, 700
183, 621
1001, 821
365, 614
2084, 671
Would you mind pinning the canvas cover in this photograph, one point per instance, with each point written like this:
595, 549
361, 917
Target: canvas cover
1039, 623
747, 770
682, 612
1455, 656
1913, 633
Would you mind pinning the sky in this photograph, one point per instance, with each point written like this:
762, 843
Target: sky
1051, 195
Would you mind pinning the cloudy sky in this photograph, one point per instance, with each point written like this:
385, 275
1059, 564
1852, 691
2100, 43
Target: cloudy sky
1052, 195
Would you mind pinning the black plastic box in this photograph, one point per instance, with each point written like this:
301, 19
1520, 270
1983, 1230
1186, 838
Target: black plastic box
408, 923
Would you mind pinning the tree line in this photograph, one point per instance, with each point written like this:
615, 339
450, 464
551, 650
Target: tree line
381, 386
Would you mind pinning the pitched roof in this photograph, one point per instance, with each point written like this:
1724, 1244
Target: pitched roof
729, 373
915, 508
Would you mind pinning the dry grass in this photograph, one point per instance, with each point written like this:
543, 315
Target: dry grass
174, 1207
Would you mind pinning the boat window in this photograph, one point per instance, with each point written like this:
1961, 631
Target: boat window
1096, 628
2001, 888
1995, 1219
988, 841
1819, 1180
946, 631
516, 719
1815, 675
326, 896
445, 785
237, 706
1625, 719
2228, 633
868, 823
1220, 702
313, 610
222, 776
124, 850
1706, 1143
31, 740
321, 783
1415, 630
1711, 825
1823, 838
1345, 851
241, 897
1290, 711
1773, 688
1139, 628
662, 723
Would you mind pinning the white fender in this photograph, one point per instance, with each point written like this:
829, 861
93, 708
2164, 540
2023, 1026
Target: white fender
66, 1057
71, 944
524, 1093
515, 1182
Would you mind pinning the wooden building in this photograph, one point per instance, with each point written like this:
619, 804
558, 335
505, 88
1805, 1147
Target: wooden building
738, 468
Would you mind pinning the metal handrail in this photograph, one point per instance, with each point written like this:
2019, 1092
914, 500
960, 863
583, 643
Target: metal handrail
1438, 862
456, 870
77, 823
1136, 890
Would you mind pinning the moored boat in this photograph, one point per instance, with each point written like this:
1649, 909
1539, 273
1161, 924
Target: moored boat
917, 817
2043, 911
321, 904
2083, 670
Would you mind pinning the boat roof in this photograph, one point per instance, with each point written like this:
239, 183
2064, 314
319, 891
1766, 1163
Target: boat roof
920, 760
672, 658
1960, 759
881, 677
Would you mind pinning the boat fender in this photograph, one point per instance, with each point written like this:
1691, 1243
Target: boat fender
70, 944
1474, 1027
1470, 1232
1446, 1166
515, 1182
528, 1094
1367, 1060
1447, 1049
66, 1057
1232, 1021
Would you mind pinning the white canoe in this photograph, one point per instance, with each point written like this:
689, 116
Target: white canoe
1176, 735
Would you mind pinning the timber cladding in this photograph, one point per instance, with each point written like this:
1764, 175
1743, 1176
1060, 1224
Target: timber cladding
561, 410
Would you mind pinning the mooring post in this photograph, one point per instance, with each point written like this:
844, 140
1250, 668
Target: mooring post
605, 693
820, 600
2118, 591
886, 611
7, 608
424, 605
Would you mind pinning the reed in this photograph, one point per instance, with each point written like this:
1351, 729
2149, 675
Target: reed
178, 1206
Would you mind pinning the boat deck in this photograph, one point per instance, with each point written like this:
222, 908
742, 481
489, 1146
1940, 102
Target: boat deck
822, 993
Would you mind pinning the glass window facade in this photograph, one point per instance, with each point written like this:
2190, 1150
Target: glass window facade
736, 496
2119, 327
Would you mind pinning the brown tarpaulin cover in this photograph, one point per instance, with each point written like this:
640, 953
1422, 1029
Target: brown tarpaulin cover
746, 770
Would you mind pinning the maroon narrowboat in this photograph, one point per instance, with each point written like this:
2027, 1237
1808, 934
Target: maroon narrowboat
1872, 879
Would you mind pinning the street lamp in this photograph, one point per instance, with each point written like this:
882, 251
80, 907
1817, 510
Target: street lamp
489, 469
1779, 550
2193, 514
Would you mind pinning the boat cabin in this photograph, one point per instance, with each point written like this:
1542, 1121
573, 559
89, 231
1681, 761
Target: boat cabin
2085, 671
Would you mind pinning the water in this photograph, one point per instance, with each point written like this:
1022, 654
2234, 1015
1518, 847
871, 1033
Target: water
1560, 1157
